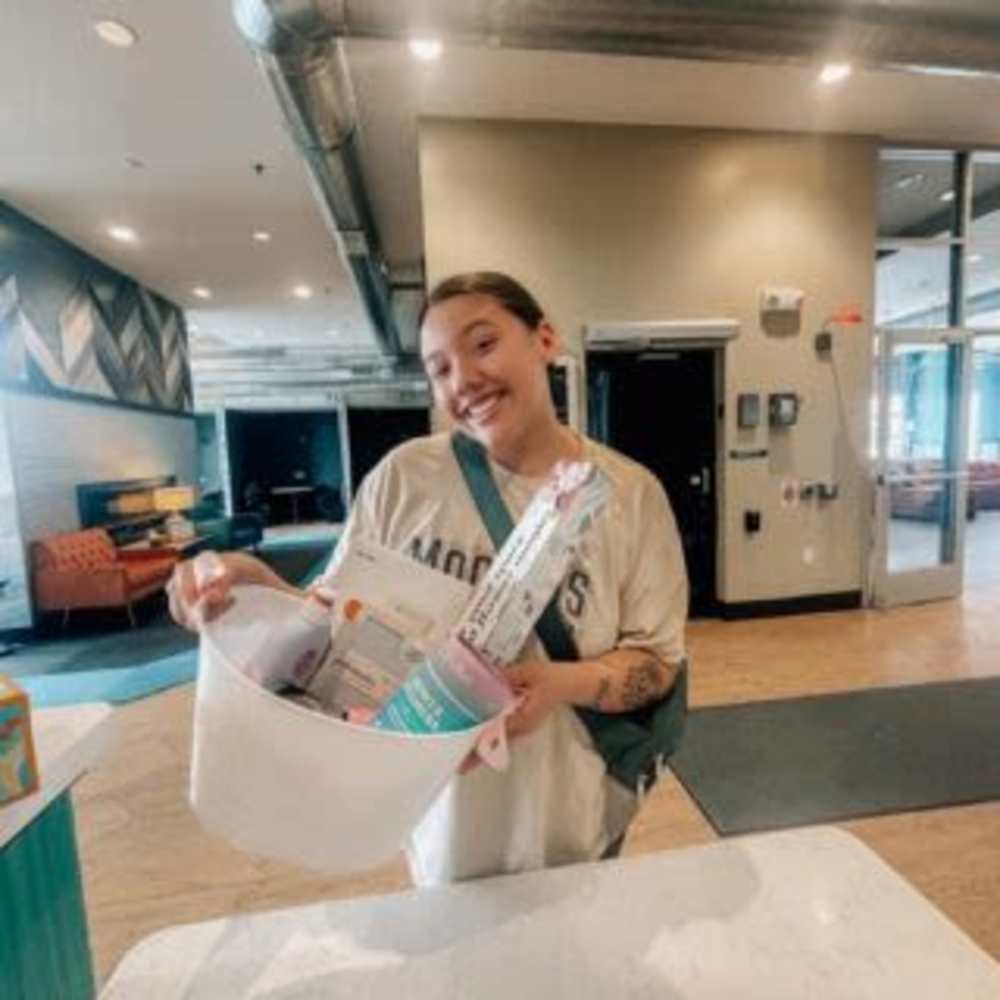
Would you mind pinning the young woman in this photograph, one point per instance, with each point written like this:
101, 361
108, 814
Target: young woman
486, 347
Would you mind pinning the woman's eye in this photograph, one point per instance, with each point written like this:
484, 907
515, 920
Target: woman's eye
483, 346
436, 373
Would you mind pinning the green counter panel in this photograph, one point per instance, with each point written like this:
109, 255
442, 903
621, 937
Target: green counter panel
44, 950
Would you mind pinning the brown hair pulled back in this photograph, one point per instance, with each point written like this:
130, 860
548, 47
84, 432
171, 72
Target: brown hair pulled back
510, 294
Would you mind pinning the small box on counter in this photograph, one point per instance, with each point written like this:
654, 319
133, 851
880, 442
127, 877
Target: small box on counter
18, 766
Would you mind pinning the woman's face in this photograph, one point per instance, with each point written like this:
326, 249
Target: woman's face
487, 368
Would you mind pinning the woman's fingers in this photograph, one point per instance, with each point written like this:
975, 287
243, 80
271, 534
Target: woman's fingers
177, 610
210, 607
199, 590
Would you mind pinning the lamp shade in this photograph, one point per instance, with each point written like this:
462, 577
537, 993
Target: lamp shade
174, 498
131, 503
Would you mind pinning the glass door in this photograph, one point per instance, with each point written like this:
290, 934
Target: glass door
921, 467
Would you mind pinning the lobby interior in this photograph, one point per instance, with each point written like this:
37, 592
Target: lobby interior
203, 347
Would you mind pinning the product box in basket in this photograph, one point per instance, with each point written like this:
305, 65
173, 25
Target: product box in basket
18, 766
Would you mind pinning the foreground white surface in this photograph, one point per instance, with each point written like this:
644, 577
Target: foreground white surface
68, 741
806, 913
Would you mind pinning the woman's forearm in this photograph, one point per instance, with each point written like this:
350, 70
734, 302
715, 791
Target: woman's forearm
620, 681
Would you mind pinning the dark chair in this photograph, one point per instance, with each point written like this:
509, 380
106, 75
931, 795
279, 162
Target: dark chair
255, 501
245, 531
241, 531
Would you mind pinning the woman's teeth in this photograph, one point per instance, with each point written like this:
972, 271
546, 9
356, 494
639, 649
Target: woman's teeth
484, 409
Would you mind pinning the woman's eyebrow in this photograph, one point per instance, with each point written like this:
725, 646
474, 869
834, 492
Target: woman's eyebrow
473, 324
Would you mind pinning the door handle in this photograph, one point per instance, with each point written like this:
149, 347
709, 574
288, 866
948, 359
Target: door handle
704, 480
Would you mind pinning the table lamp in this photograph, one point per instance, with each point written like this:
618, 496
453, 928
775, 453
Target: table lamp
174, 499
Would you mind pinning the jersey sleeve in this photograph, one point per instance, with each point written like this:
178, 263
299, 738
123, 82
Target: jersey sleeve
654, 592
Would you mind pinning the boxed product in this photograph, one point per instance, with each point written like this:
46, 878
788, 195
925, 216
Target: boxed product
18, 766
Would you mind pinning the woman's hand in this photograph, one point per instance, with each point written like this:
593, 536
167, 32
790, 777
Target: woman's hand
199, 589
542, 687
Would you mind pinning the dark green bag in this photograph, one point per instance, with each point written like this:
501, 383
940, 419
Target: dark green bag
634, 745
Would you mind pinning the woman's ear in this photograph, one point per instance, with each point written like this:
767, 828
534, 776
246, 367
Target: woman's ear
549, 340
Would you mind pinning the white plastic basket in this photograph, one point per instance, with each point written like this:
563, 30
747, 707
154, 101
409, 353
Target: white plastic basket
279, 780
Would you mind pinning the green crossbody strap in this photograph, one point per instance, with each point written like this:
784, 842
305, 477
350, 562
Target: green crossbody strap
634, 744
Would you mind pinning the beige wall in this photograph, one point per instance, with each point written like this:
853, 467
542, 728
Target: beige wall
610, 223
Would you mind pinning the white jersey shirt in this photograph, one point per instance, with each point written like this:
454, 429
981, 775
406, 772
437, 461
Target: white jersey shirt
626, 587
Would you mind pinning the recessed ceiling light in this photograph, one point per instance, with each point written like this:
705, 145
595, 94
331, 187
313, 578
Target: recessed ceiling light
975, 258
116, 33
947, 195
910, 180
201, 292
262, 236
124, 234
426, 49
192, 327
835, 72
302, 292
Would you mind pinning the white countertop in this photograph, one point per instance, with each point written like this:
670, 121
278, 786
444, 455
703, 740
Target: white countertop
68, 741
809, 913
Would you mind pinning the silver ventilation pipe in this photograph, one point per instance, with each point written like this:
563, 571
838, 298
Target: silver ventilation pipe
298, 43
299, 48
960, 36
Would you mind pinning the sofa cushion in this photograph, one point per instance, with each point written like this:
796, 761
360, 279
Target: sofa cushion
75, 550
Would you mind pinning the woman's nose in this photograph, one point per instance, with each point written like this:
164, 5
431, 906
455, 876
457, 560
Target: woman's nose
464, 375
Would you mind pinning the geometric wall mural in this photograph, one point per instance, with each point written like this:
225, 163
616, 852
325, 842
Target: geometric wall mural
69, 322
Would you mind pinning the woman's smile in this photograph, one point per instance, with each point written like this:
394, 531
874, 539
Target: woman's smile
483, 409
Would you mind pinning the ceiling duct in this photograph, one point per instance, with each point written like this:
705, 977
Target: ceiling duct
299, 44
300, 51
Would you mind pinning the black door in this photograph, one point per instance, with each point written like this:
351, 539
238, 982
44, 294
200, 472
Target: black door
375, 431
660, 409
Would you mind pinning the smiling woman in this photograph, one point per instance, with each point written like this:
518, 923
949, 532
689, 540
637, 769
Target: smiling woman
486, 346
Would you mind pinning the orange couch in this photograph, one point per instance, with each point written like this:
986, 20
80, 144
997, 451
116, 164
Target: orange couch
83, 569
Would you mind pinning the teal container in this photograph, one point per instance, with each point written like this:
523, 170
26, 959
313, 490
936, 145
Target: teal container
429, 702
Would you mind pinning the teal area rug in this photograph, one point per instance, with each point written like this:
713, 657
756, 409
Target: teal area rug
125, 664
306, 535
115, 685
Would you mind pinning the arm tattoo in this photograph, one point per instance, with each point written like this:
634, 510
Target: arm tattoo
642, 683
603, 690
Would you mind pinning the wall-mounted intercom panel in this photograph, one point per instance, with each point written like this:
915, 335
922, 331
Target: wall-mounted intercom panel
748, 409
783, 409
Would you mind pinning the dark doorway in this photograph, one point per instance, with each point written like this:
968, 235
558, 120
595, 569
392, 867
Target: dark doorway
285, 466
374, 431
659, 407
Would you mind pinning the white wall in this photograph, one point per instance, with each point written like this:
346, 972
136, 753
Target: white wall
609, 223
55, 444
